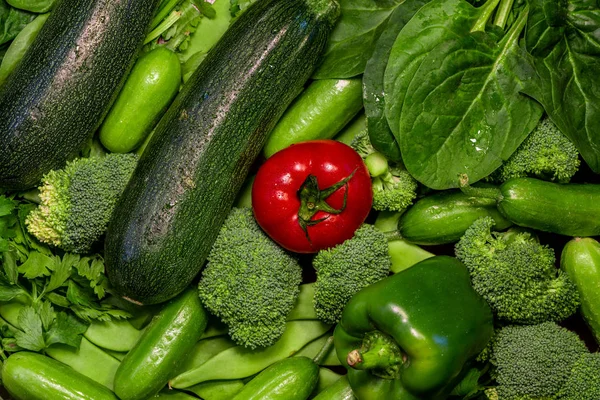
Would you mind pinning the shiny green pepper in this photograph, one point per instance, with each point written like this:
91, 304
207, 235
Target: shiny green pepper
411, 336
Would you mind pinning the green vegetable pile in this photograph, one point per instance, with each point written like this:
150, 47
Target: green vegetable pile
136, 261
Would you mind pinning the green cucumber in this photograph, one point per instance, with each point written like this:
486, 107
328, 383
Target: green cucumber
444, 217
162, 348
567, 209
146, 95
32, 376
580, 259
201, 151
290, 379
115, 335
340, 390
57, 96
319, 112
327, 378
88, 360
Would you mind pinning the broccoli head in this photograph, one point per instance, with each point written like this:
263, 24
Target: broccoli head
347, 268
249, 282
394, 189
533, 362
584, 380
516, 275
546, 154
78, 200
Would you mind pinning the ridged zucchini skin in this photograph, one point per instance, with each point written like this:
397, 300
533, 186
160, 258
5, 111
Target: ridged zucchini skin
58, 95
196, 162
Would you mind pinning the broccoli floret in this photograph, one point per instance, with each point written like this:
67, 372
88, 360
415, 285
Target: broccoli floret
77, 201
584, 380
534, 361
516, 275
347, 268
249, 282
546, 154
394, 189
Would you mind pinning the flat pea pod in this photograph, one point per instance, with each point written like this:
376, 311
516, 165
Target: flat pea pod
115, 335
289, 379
313, 348
240, 362
162, 348
217, 390
319, 112
205, 349
569, 209
33, 376
445, 216
153, 83
580, 259
19, 46
340, 390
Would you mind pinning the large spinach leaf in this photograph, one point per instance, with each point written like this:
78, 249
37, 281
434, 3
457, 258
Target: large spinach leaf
568, 69
464, 113
36, 6
12, 21
353, 39
380, 134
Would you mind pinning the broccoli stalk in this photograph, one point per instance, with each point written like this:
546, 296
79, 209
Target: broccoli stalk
545, 154
394, 189
76, 202
516, 275
347, 268
249, 282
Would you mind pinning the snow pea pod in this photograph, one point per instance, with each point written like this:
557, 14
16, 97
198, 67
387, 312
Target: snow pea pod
113, 335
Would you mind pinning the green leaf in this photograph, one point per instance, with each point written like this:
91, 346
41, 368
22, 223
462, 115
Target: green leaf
8, 291
6, 206
66, 329
57, 299
353, 39
78, 296
61, 270
46, 312
37, 265
10, 345
31, 336
12, 21
9, 264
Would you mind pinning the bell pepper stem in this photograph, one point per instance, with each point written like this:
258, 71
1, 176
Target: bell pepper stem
380, 354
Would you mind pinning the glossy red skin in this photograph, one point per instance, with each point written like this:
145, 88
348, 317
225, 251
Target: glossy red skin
276, 203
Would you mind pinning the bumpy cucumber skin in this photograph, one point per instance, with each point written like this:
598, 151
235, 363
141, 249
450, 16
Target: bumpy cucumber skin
290, 379
444, 217
320, 112
567, 209
161, 350
201, 151
32, 376
148, 91
59, 93
580, 259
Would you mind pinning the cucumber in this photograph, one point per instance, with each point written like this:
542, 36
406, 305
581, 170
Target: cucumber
201, 151
320, 112
162, 348
148, 91
444, 217
57, 96
580, 259
32, 376
567, 209
340, 390
290, 379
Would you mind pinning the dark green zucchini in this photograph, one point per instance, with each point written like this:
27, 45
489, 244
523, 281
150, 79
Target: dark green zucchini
57, 96
189, 174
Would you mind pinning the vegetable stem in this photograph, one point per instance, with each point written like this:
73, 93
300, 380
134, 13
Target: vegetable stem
322, 354
169, 5
486, 12
502, 13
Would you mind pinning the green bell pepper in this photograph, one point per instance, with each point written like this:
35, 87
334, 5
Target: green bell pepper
411, 336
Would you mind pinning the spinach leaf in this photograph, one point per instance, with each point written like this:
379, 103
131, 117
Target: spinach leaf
380, 135
353, 39
566, 80
465, 113
36, 6
12, 21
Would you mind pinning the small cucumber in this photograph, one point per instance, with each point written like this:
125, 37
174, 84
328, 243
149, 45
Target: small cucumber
32, 376
146, 95
444, 217
567, 209
113, 335
580, 259
319, 112
289, 379
162, 348
340, 390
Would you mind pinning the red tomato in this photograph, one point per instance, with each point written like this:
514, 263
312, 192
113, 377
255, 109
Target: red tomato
312, 195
